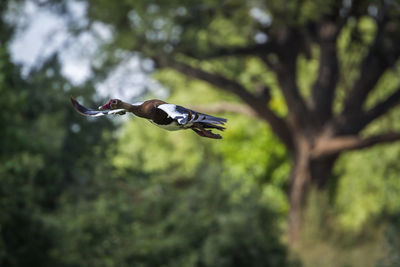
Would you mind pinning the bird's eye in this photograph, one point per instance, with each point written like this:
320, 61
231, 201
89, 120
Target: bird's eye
114, 102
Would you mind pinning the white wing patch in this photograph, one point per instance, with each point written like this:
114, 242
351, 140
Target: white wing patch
171, 110
186, 116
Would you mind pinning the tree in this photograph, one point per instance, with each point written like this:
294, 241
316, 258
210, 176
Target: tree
212, 41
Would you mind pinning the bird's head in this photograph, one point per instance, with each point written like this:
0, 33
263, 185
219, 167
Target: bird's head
112, 104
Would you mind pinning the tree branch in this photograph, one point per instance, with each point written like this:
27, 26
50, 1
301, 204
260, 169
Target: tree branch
374, 64
354, 123
289, 45
259, 106
381, 108
299, 114
225, 107
217, 80
332, 146
254, 49
325, 85
371, 70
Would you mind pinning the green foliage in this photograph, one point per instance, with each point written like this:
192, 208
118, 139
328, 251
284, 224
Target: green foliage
24, 240
153, 151
42, 152
360, 186
369, 180
253, 155
134, 222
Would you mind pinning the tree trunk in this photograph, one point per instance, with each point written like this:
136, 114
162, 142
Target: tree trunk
300, 178
306, 172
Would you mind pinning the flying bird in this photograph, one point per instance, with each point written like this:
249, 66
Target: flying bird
167, 116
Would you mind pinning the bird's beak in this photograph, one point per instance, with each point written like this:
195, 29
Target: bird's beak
105, 106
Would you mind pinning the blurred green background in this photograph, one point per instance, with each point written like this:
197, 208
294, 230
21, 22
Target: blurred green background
76, 191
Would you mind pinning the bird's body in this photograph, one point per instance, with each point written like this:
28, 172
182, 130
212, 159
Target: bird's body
164, 115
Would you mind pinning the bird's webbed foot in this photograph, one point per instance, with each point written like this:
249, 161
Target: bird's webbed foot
206, 133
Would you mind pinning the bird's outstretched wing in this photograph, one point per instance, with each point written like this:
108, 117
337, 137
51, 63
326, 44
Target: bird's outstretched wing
185, 116
93, 113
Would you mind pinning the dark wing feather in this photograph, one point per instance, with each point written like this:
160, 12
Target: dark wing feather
92, 113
